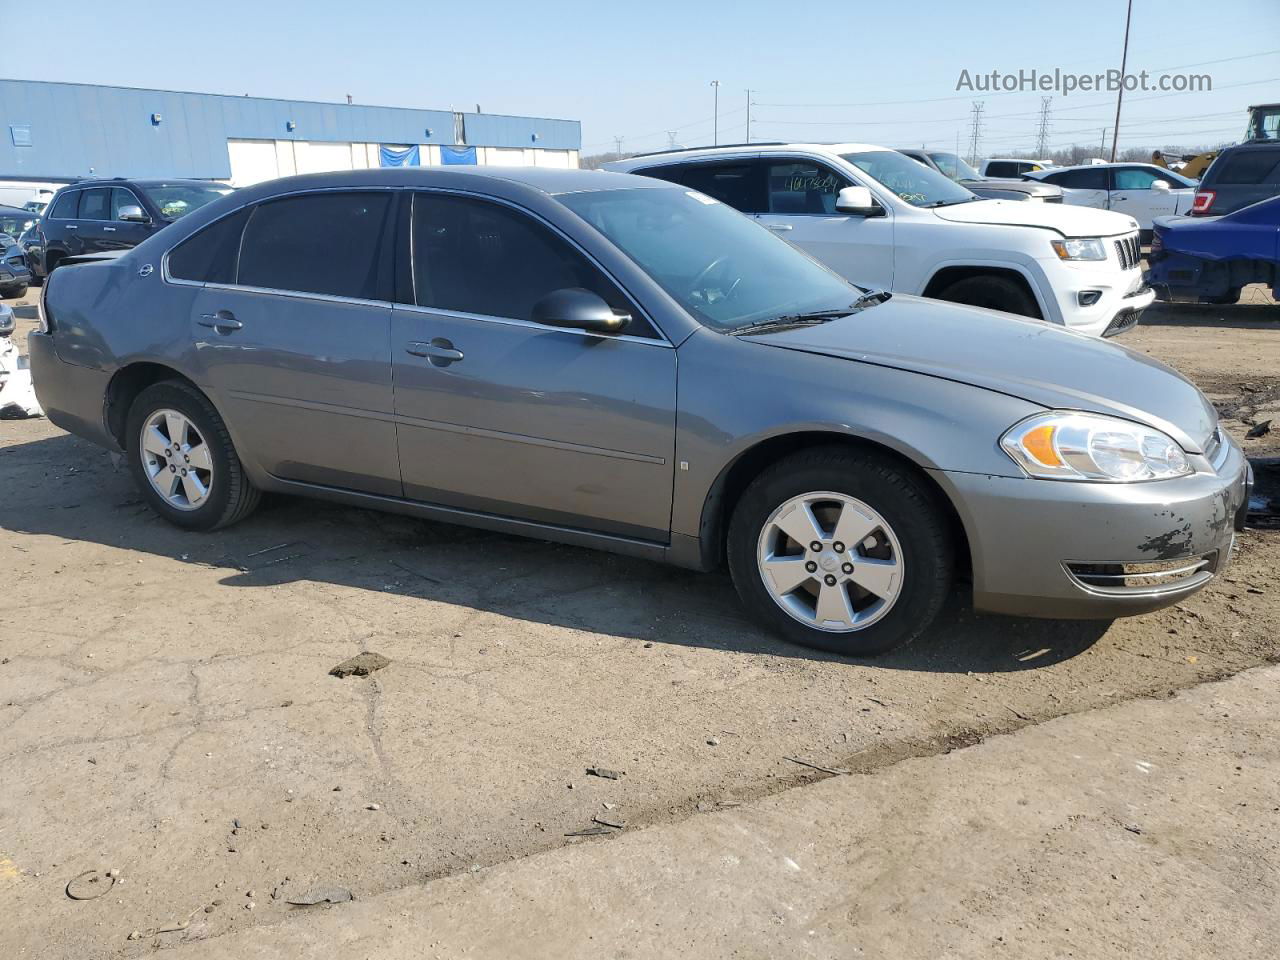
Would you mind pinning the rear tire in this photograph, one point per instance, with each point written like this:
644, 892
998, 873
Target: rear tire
13, 293
993, 293
889, 516
174, 432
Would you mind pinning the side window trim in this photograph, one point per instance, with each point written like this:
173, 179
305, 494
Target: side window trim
395, 192
660, 338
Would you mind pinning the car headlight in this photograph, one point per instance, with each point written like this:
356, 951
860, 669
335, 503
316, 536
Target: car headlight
1064, 445
1090, 248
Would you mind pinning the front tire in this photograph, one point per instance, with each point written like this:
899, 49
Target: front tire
993, 293
182, 459
13, 293
840, 549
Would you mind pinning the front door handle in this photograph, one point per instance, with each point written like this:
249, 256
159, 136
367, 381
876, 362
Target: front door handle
780, 227
224, 321
109, 229
439, 351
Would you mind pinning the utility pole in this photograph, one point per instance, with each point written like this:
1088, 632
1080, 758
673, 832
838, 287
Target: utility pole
617, 144
748, 115
1103, 149
715, 128
975, 130
671, 139
1042, 134
1124, 62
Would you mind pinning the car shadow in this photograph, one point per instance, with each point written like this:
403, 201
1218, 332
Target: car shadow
84, 497
1240, 316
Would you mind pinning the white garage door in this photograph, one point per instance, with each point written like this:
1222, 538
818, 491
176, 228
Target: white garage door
505, 157
552, 158
323, 157
252, 161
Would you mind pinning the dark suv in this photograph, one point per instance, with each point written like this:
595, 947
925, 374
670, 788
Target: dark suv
1240, 176
96, 215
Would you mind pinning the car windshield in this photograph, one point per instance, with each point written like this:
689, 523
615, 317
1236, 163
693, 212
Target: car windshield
15, 224
911, 180
955, 167
722, 267
176, 200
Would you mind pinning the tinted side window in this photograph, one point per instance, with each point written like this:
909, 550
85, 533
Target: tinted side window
324, 243
95, 204
484, 258
803, 186
740, 185
120, 197
1002, 168
65, 207
1248, 165
1094, 179
1133, 178
210, 256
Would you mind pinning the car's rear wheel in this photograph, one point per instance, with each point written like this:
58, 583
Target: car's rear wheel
841, 549
183, 461
13, 293
993, 293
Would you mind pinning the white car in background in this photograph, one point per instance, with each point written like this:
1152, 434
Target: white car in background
1141, 190
1012, 167
885, 221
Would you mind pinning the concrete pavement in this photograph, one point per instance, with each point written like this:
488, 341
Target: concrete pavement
1149, 829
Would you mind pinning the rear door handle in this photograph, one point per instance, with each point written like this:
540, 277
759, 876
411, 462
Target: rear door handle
439, 351
224, 321
109, 229
72, 226
780, 227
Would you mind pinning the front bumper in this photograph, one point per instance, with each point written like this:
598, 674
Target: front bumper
14, 275
1043, 548
1122, 295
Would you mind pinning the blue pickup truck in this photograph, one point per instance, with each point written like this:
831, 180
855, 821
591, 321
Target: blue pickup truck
1209, 259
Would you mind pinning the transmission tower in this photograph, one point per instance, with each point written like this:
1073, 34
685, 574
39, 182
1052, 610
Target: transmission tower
671, 138
617, 142
1042, 132
975, 130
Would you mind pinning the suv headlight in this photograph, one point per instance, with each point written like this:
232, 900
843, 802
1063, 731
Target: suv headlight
1064, 445
1090, 248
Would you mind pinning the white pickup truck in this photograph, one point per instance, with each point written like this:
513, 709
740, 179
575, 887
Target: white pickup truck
883, 220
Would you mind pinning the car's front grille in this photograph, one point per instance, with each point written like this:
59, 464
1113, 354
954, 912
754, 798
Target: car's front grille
1129, 250
1145, 577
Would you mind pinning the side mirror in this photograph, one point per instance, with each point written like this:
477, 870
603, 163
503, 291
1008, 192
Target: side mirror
858, 202
133, 214
1160, 186
578, 309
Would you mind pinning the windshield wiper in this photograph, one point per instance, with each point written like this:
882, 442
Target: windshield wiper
788, 321
950, 203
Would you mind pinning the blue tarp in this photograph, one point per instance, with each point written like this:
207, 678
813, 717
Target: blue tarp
393, 157
458, 155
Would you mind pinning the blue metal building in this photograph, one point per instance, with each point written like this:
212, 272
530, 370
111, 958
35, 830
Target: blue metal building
65, 131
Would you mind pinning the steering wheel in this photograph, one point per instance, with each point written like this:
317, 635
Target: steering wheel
698, 288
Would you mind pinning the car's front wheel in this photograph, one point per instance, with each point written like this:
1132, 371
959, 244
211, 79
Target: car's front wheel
841, 549
993, 293
183, 461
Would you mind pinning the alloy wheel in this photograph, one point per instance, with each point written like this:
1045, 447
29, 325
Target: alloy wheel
176, 459
830, 561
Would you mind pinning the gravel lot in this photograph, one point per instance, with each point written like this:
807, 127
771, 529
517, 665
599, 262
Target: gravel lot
167, 709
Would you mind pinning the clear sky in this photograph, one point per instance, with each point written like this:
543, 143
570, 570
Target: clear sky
876, 72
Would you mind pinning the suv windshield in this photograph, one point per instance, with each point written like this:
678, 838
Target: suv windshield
174, 200
722, 267
955, 167
911, 180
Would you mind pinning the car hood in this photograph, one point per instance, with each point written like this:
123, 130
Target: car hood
1066, 219
1033, 187
1029, 359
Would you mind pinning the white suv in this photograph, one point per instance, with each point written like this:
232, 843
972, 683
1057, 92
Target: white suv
885, 221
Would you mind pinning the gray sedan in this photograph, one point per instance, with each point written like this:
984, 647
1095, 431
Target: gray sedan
623, 363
